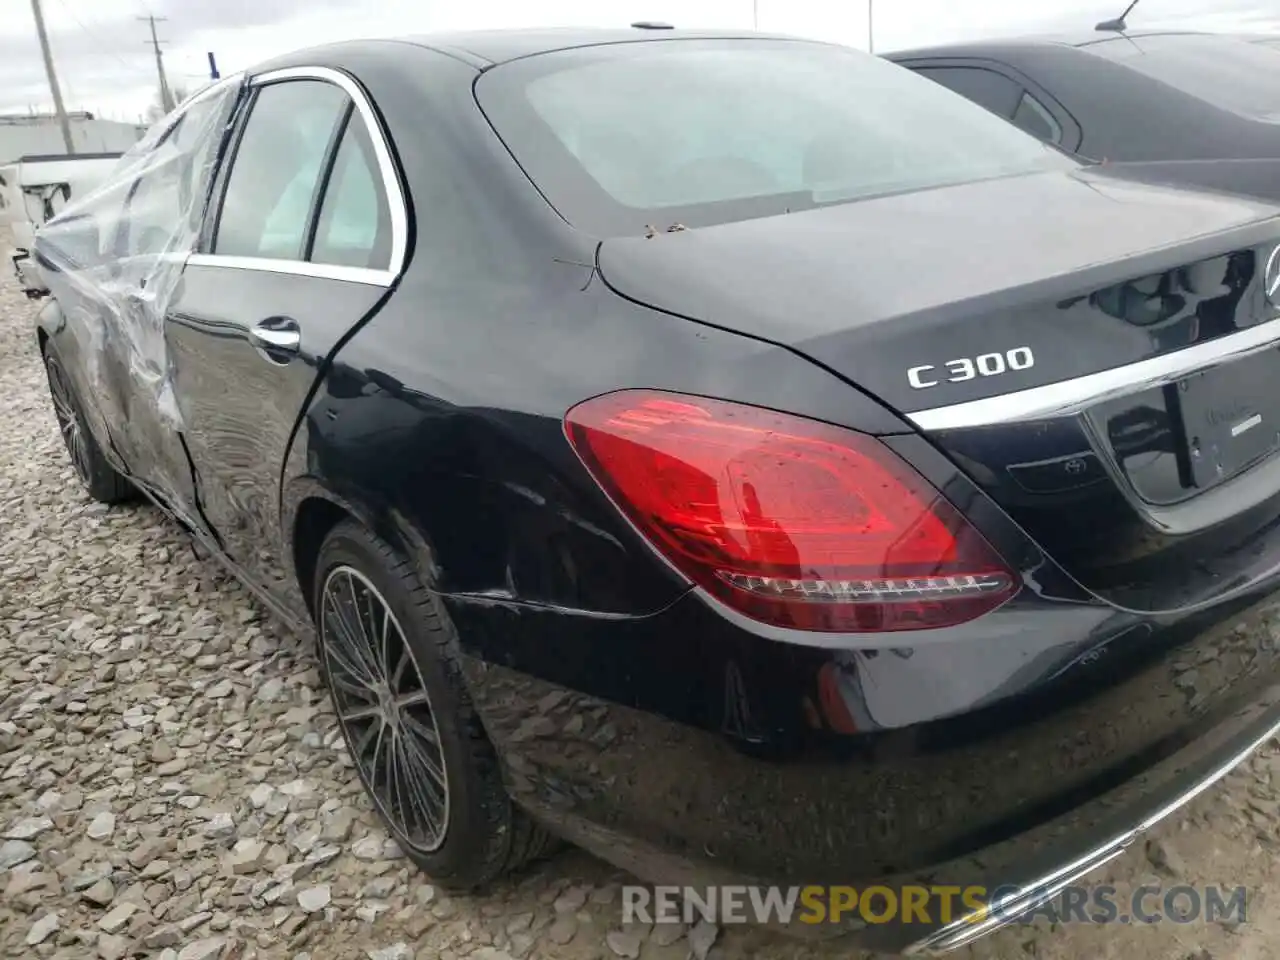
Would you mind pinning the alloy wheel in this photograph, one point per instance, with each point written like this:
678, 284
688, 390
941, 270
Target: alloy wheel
64, 408
384, 709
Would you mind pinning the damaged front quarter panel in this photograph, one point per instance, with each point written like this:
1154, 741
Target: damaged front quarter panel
113, 261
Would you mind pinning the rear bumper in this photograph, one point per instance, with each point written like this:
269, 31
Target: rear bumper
692, 752
1029, 895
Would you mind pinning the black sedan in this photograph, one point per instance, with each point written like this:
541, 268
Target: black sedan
1138, 96
733, 454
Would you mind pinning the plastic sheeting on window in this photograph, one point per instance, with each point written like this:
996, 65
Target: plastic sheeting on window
113, 259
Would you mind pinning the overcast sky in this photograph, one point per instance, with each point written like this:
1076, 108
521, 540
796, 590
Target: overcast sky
105, 64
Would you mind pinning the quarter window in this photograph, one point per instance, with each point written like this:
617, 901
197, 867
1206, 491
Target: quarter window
1033, 117
270, 192
354, 228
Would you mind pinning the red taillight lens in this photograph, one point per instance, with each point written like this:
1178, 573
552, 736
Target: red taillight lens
790, 521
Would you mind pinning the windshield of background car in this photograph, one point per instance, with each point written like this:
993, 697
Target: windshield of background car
623, 136
1230, 74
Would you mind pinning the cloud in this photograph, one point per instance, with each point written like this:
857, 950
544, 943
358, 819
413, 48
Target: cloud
105, 62
187, 19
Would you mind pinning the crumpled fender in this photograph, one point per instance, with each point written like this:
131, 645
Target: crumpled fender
115, 256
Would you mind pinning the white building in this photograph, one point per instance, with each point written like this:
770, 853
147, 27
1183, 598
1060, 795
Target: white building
23, 135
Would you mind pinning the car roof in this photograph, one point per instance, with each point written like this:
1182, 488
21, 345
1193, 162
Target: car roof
1081, 40
490, 47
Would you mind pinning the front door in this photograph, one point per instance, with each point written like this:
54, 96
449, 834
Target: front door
137, 230
300, 247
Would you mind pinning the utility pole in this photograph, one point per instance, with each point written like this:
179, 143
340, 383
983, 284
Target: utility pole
166, 97
755, 14
58, 106
871, 31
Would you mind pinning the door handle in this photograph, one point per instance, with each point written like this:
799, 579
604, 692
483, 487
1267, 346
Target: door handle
277, 339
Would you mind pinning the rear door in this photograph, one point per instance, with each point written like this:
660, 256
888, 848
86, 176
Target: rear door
305, 236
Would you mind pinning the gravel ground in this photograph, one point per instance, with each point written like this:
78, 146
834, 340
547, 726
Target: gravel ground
172, 783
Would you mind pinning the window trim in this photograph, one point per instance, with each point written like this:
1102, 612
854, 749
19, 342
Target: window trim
235, 80
390, 184
1072, 131
170, 120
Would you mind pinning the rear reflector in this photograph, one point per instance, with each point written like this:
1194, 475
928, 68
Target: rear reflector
790, 521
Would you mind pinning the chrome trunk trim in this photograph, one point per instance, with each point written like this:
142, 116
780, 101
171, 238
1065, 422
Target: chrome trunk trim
1070, 397
979, 923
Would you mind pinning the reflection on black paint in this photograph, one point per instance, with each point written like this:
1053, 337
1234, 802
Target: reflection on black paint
1139, 430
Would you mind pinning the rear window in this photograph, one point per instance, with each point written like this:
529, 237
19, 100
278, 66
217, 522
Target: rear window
651, 134
1229, 74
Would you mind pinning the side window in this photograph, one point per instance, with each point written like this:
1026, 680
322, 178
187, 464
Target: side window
354, 228
268, 198
1033, 117
169, 201
164, 205
153, 200
987, 88
153, 213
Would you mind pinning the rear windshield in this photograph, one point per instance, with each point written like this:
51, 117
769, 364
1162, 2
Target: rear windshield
693, 132
1229, 74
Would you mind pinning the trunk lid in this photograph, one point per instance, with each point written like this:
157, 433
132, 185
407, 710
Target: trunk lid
1096, 352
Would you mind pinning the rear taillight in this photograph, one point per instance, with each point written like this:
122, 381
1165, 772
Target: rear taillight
790, 521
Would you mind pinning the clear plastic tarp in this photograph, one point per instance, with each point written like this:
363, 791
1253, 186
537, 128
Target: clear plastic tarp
113, 258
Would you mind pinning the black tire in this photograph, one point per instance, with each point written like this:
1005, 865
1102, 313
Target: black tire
485, 835
102, 481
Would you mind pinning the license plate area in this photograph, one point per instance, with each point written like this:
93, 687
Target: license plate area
1230, 418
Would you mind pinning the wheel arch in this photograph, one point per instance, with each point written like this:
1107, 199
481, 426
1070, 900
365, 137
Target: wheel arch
49, 321
314, 510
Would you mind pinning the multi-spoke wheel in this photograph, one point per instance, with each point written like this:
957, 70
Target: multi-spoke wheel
384, 708
68, 419
389, 656
103, 482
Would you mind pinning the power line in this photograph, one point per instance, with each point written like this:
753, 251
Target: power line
107, 47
